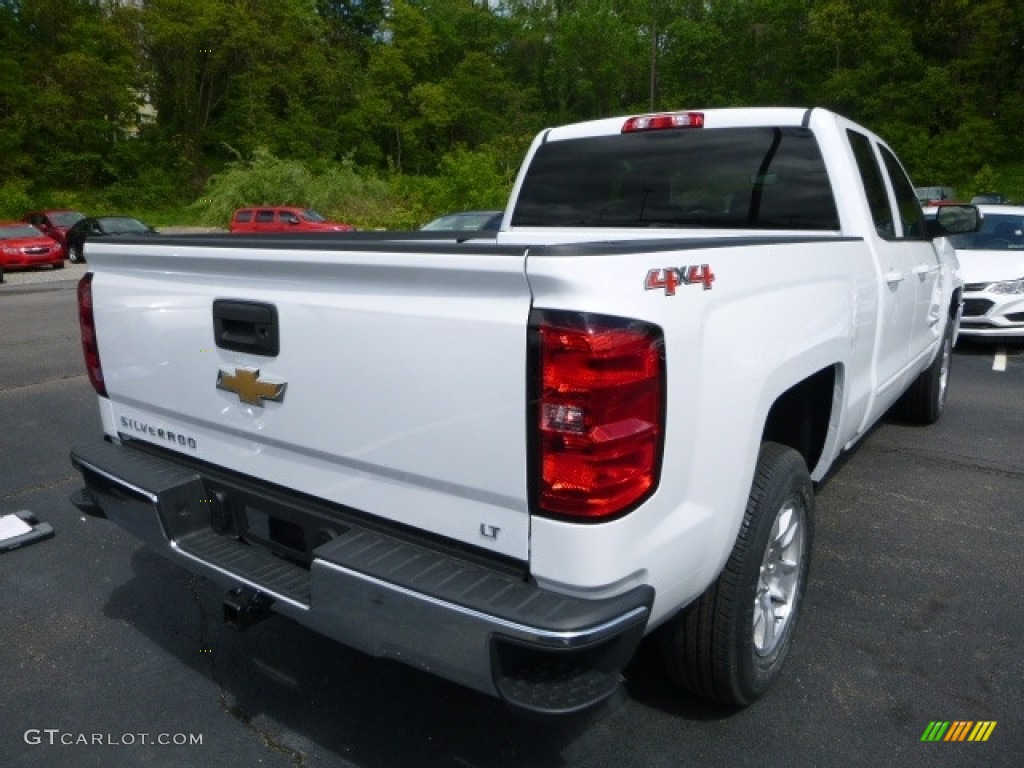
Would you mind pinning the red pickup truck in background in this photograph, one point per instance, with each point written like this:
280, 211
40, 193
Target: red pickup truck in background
283, 219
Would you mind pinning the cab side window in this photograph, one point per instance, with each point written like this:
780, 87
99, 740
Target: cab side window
264, 217
874, 184
911, 215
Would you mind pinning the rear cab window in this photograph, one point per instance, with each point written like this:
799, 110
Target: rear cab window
734, 178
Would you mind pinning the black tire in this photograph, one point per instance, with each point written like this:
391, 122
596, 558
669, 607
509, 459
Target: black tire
925, 399
75, 254
717, 647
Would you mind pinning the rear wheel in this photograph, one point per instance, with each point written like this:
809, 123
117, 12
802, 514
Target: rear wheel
729, 645
75, 254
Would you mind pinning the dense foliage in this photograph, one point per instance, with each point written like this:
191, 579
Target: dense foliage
389, 111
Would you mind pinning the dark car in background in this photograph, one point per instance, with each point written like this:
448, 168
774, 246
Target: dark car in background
54, 223
22, 246
102, 226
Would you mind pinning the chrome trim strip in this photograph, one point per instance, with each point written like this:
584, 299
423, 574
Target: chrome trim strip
119, 482
235, 577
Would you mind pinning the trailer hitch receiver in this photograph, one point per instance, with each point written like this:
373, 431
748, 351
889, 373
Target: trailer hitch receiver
245, 606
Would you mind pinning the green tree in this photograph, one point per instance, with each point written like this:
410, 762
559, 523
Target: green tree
602, 59
15, 99
63, 113
353, 19
230, 77
435, 78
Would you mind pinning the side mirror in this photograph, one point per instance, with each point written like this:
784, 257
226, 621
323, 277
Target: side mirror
954, 220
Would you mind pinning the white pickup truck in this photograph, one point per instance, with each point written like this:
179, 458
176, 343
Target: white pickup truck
505, 460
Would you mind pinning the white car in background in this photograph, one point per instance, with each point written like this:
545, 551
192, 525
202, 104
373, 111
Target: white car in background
992, 267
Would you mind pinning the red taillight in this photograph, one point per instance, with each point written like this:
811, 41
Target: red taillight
667, 120
90, 346
600, 414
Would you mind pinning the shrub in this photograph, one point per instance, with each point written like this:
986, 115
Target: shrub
337, 192
14, 198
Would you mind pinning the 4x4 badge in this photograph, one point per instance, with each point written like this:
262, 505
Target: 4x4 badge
246, 383
670, 278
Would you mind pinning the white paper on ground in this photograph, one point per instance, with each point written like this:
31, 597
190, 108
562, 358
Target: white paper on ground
11, 526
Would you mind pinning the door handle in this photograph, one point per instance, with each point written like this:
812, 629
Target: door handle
894, 277
925, 269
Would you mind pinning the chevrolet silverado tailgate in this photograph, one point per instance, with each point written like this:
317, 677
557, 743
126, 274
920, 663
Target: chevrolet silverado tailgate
388, 378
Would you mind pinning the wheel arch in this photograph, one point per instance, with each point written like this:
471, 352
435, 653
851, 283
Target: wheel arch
802, 415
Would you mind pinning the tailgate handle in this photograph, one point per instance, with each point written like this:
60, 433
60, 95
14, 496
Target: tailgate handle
246, 326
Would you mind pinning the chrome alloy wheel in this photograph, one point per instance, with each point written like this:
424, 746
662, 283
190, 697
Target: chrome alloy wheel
778, 583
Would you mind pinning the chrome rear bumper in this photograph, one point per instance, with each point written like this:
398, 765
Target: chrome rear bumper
384, 594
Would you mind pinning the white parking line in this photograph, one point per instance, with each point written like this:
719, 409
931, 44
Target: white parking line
999, 361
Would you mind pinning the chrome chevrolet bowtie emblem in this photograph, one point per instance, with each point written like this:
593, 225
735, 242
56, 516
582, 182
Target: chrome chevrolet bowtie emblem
245, 382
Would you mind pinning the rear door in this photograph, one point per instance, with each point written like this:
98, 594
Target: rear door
929, 310
897, 260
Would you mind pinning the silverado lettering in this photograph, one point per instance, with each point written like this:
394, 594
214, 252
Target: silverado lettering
158, 432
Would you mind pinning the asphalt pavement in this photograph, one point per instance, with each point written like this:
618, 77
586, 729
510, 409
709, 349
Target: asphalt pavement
22, 277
